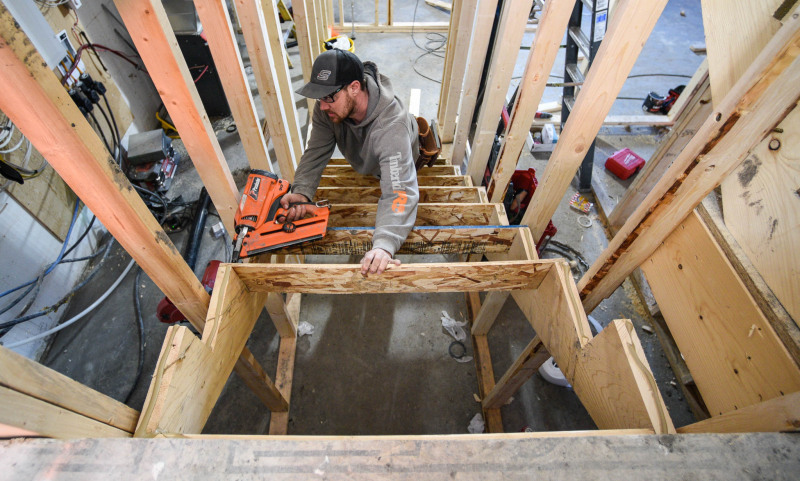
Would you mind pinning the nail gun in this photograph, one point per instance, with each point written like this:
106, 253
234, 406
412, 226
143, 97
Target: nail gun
261, 221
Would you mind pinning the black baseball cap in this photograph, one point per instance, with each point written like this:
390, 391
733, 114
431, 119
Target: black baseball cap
332, 69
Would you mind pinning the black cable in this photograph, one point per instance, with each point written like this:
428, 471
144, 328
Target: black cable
137, 307
115, 141
113, 119
102, 135
85, 232
431, 37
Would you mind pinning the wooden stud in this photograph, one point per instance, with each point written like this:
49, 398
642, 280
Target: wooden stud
222, 41
369, 181
403, 27
346, 170
47, 419
279, 421
483, 359
734, 355
526, 365
148, 25
347, 278
427, 194
40, 107
553, 23
265, 68
30, 378
615, 384
514, 18
686, 124
628, 30
477, 55
759, 101
490, 308
774, 415
444, 88
358, 215
421, 240
231, 316
304, 41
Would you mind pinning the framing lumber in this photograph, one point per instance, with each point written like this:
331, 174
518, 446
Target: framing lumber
441, 160
734, 355
615, 384
222, 42
526, 365
510, 30
462, 21
628, 30
483, 366
759, 101
553, 23
698, 108
148, 25
47, 419
452, 38
346, 170
479, 42
279, 421
265, 69
369, 181
30, 378
403, 27
489, 309
434, 277
774, 415
421, 240
357, 215
40, 107
303, 41
231, 316
427, 194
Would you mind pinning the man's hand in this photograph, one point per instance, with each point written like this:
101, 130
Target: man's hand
376, 261
297, 211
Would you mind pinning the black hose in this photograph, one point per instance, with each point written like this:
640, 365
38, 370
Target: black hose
140, 324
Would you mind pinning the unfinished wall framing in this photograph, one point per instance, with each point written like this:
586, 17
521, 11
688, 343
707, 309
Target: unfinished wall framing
609, 372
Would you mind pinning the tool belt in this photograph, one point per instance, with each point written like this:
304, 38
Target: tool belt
429, 144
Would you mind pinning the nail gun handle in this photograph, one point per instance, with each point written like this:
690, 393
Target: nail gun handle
281, 214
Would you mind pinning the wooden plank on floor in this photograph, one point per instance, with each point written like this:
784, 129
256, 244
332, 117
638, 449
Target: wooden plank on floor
279, 421
421, 240
368, 181
195, 369
427, 194
434, 277
526, 365
26, 412
734, 355
615, 383
779, 414
33, 379
358, 215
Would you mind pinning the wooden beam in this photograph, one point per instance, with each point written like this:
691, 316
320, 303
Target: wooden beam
490, 308
346, 170
464, 18
358, 215
553, 23
421, 240
279, 421
251, 373
479, 49
615, 384
734, 355
303, 37
629, 28
369, 181
441, 160
526, 365
483, 367
686, 124
231, 316
50, 420
511, 28
30, 378
427, 194
434, 277
221, 39
759, 101
40, 107
148, 25
403, 27
774, 415
452, 37
555, 313
266, 71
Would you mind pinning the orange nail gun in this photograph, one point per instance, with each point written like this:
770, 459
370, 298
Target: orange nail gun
260, 219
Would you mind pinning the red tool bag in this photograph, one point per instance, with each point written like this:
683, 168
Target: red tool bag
525, 180
624, 163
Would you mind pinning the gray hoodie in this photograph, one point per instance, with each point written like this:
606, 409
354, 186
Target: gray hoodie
385, 144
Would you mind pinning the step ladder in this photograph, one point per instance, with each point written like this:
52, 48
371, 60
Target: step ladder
579, 42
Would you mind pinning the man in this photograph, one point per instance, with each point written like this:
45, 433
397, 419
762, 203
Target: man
358, 112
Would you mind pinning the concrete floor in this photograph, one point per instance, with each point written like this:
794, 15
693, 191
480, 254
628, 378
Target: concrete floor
378, 364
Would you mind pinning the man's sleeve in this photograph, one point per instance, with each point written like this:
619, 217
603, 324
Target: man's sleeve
397, 207
321, 145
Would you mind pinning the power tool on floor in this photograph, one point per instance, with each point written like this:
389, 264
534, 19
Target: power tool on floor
261, 221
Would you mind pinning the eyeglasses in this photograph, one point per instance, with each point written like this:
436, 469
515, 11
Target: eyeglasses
329, 99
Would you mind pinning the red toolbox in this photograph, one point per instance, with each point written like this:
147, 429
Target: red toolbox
624, 163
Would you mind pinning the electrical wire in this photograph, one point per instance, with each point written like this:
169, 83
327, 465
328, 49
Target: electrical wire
433, 46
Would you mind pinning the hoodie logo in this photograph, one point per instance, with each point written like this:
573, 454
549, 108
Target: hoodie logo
323, 75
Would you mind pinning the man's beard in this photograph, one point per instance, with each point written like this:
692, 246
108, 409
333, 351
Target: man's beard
349, 106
